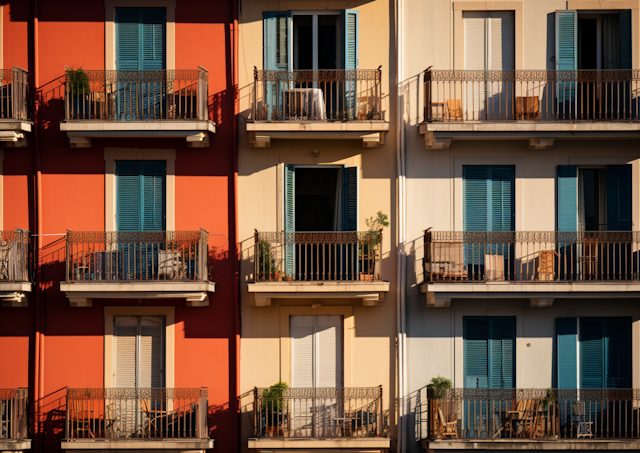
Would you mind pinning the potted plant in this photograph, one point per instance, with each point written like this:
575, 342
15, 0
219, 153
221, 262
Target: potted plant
267, 269
436, 391
371, 245
272, 410
79, 90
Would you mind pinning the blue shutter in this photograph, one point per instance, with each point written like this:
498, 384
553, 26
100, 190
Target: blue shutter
153, 195
501, 215
625, 39
277, 39
618, 352
289, 217
476, 352
592, 353
350, 199
567, 203
567, 357
619, 197
128, 39
348, 39
153, 22
128, 216
566, 50
502, 352
476, 197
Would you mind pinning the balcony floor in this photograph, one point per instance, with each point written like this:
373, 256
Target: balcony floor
357, 444
532, 444
15, 445
371, 293
175, 445
370, 132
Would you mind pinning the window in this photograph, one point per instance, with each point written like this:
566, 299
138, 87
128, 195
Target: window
140, 195
139, 351
594, 353
140, 39
489, 351
488, 198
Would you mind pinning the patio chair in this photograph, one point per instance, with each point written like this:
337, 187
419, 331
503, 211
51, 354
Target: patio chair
578, 417
448, 428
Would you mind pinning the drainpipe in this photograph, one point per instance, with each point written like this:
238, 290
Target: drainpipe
401, 268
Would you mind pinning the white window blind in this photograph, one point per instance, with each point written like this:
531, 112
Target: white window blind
139, 359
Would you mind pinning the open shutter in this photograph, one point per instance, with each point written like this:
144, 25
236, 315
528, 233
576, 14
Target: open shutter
301, 333
126, 336
567, 203
566, 50
567, 356
128, 217
153, 195
277, 39
502, 331
626, 59
151, 352
501, 215
618, 352
592, 346
328, 351
128, 39
349, 39
476, 197
350, 199
476, 352
619, 197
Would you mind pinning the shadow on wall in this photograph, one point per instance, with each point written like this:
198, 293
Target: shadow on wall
51, 412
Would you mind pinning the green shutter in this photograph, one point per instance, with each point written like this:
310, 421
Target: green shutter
625, 39
350, 199
618, 352
128, 38
566, 50
567, 203
619, 197
502, 198
289, 217
592, 349
567, 354
277, 39
153, 22
502, 331
153, 195
476, 352
476, 192
348, 39
128, 216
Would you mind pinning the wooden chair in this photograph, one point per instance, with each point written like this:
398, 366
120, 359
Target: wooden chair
81, 415
448, 429
155, 417
445, 261
454, 110
527, 108
494, 267
546, 265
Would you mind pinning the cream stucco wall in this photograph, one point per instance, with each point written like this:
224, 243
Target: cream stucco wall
264, 357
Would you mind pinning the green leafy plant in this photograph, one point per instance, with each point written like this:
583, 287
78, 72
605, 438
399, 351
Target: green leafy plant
549, 399
78, 81
267, 269
273, 398
439, 386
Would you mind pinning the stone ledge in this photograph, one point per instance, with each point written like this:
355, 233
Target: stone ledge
350, 443
531, 444
521, 288
371, 133
371, 293
138, 444
15, 445
25, 287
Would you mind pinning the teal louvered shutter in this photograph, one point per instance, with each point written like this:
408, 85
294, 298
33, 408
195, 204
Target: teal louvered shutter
128, 39
501, 215
153, 195
592, 362
567, 352
619, 197
502, 338
567, 203
476, 197
153, 23
128, 216
566, 50
277, 40
618, 352
289, 217
350, 199
349, 58
626, 45
476, 352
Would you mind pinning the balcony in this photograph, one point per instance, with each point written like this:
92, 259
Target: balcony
137, 419
540, 265
13, 420
15, 278
532, 419
141, 104
312, 265
137, 265
539, 106
319, 418
14, 107
338, 104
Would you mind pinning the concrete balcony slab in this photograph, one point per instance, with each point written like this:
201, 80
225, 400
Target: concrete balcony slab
15, 445
371, 293
130, 445
370, 132
369, 445
531, 444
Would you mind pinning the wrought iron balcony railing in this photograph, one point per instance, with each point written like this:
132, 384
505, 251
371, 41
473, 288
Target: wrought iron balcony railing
532, 256
538, 96
318, 256
335, 95
549, 414
14, 94
13, 414
137, 95
139, 413
14, 256
318, 412
135, 256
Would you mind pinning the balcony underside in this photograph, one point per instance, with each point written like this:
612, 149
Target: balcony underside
15, 445
13, 133
541, 135
80, 294
531, 444
368, 445
176, 445
80, 132
370, 132
12, 294
371, 293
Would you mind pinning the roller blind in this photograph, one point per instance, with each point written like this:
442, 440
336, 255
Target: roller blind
139, 351
126, 342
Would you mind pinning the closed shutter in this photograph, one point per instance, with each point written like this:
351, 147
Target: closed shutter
619, 197
502, 349
567, 202
566, 50
618, 352
140, 195
476, 197
567, 356
592, 352
151, 352
476, 352
301, 332
329, 351
140, 39
126, 348
153, 22
475, 59
128, 216
289, 217
128, 39
153, 200
625, 39
350, 199
502, 198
